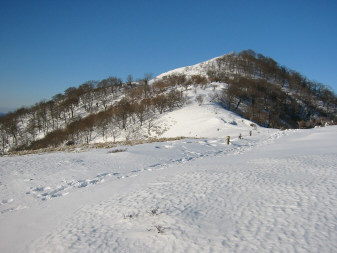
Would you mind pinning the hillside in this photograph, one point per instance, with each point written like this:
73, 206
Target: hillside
259, 89
231, 94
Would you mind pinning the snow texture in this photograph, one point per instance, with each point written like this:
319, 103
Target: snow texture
274, 191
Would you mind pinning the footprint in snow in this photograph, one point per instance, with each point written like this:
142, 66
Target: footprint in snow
103, 174
39, 189
6, 201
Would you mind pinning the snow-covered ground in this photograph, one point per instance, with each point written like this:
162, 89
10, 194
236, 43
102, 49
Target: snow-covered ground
274, 191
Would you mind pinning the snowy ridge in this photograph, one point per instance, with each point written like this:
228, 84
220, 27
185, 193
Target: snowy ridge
196, 69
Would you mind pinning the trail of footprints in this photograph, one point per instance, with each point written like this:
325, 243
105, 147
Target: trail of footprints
46, 192
262, 213
211, 149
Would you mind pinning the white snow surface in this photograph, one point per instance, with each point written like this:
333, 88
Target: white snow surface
196, 69
274, 191
204, 121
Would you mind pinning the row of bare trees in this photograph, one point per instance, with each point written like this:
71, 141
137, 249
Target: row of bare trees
125, 116
21, 127
77, 105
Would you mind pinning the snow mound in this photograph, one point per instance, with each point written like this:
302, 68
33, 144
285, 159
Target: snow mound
207, 120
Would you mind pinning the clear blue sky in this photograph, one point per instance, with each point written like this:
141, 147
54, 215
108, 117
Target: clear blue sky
48, 46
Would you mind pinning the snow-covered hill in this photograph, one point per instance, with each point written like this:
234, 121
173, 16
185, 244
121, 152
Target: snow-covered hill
274, 191
250, 84
207, 119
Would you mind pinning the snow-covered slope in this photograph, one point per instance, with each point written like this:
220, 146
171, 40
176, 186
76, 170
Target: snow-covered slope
208, 120
274, 191
197, 69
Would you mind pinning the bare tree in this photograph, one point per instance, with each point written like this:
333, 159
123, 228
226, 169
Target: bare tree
146, 79
129, 80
